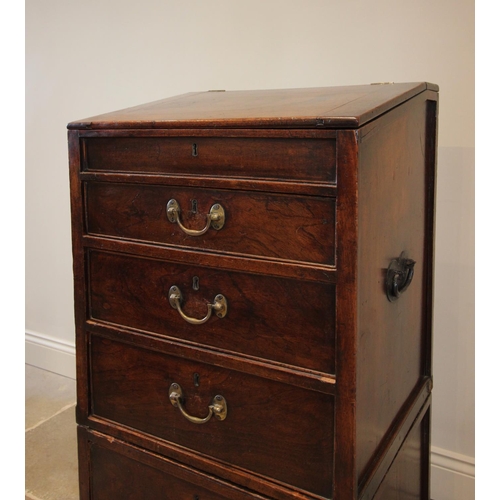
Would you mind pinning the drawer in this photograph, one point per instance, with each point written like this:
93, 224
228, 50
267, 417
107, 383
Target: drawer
268, 428
279, 319
298, 228
120, 471
273, 158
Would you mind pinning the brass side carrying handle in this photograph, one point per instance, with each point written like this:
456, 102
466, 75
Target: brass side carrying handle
399, 276
218, 408
215, 218
219, 306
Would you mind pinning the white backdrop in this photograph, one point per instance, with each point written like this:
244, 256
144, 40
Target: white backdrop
86, 58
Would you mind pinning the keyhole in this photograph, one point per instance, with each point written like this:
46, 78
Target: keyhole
194, 150
194, 206
196, 283
196, 379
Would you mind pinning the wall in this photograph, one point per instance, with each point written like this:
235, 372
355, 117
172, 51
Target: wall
86, 58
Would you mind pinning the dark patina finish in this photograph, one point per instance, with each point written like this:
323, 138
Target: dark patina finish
253, 295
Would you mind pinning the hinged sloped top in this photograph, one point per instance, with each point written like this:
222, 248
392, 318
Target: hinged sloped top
324, 107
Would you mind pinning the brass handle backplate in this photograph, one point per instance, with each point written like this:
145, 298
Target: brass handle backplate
219, 306
217, 408
215, 218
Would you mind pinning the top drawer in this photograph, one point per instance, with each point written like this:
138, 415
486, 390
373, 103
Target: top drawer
308, 159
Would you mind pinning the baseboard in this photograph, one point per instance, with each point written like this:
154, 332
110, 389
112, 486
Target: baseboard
49, 353
452, 475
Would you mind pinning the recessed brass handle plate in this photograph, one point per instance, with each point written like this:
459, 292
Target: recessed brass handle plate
215, 218
219, 306
218, 407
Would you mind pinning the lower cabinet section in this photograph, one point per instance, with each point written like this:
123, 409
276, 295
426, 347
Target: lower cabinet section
264, 427
118, 471
111, 469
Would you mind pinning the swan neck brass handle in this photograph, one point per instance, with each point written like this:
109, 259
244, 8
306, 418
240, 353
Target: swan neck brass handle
215, 218
218, 407
219, 306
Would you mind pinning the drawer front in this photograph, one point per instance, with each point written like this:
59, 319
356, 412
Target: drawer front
298, 228
119, 472
288, 159
282, 432
273, 318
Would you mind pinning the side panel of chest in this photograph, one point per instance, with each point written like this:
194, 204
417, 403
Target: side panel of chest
396, 211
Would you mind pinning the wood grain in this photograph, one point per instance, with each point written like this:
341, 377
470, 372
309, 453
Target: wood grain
264, 368
267, 317
297, 228
346, 326
327, 382
392, 335
306, 159
338, 107
236, 183
130, 386
79, 275
214, 468
123, 471
407, 479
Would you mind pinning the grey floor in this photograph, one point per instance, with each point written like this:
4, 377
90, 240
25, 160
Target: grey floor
50, 440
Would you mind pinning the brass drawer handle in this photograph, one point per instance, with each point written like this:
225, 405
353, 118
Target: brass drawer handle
215, 218
218, 408
219, 306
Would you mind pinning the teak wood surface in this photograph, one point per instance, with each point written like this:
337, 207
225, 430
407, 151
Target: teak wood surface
328, 383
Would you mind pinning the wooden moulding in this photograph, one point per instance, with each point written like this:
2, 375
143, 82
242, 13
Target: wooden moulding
346, 330
79, 276
128, 456
267, 316
280, 372
214, 182
314, 108
409, 416
137, 212
253, 265
200, 463
291, 159
129, 389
